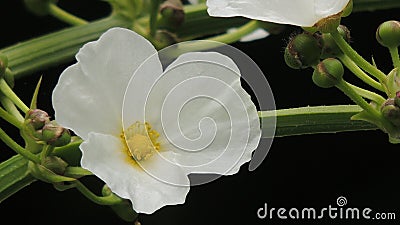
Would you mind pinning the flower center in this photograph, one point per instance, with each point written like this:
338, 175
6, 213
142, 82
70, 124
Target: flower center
141, 140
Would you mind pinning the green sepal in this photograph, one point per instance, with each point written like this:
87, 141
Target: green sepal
393, 83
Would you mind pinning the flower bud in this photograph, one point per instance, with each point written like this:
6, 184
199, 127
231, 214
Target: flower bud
393, 82
303, 51
37, 118
55, 135
391, 111
172, 11
329, 46
388, 34
328, 73
55, 164
3, 64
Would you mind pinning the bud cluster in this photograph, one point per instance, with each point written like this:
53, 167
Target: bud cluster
41, 128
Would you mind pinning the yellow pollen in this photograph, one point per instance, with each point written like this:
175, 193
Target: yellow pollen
141, 141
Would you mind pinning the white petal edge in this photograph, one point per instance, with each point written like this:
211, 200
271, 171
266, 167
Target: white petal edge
89, 94
187, 69
253, 36
299, 12
104, 155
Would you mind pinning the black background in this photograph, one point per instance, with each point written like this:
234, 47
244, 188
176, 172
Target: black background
299, 171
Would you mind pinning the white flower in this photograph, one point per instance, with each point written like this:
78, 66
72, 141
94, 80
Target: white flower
304, 13
145, 129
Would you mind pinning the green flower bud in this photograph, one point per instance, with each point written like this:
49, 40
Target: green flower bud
55, 164
303, 51
328, 73
329, 46
3, 64
38, 7
391, 112
165, 38
388, 34
55, 135
172, 11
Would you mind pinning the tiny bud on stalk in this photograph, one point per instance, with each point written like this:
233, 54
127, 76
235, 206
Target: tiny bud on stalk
391, 111
55, 135
328, 73
388, 34
303, 51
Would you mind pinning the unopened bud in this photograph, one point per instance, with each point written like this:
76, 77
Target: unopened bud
303, 51
388, 34
37, 118
328, 73
329, 46
55, 164
55, 135
172, 11
391, 111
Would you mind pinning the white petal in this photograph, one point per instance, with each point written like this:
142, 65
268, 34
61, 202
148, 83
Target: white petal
255, 35
89, 94
105, 156
295, 12
201, 96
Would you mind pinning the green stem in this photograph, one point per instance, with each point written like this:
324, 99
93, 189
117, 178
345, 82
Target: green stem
394, 53
56, 48
236, 35
101, 200
360, 73
47, 150
312, 120
353, 95
368, 94
10, 118
155, 6
64, 16
10, 107
17, 148
7, 91
14, 176
358, 59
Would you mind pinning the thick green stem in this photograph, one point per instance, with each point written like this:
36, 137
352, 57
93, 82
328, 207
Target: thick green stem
56, 48
313, 120
64, 16
155, 6
14, 176
358, 59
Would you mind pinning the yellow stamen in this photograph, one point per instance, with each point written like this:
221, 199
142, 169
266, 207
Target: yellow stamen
141, 141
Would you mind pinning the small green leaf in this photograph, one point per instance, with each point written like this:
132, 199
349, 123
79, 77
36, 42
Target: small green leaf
35, 95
